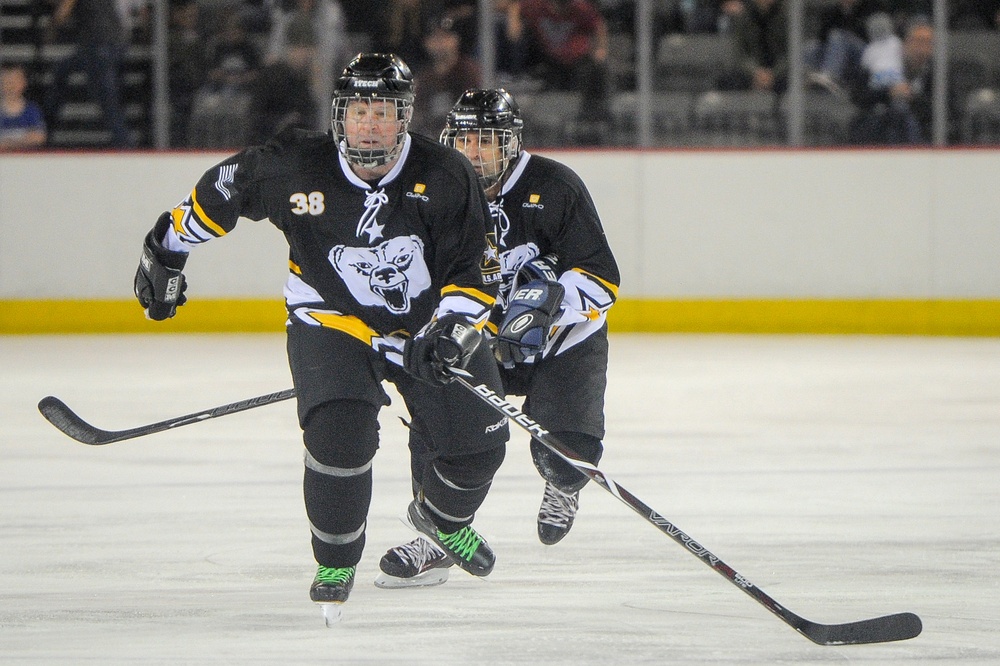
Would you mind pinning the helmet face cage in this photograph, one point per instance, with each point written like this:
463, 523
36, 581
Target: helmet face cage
485, 125
489, 149
379, 111
372, 106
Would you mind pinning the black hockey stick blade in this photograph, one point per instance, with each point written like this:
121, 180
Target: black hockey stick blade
887, 628
65, 419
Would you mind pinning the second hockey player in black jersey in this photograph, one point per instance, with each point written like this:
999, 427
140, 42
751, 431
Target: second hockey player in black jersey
388, 280
558, 280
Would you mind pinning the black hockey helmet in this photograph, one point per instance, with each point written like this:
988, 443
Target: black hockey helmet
374, 77
485, 108
492, 111
382, 74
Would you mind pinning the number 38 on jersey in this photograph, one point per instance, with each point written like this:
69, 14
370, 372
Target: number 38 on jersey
312, 203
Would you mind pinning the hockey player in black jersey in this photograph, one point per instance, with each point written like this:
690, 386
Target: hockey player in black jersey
559, 278
389, 279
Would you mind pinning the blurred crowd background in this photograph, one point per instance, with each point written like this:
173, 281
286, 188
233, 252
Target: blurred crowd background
221, 74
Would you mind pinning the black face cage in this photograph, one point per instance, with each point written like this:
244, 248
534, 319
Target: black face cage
370, 157
490, 170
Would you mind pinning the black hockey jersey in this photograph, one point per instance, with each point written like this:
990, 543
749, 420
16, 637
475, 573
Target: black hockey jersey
543, 208
372, 260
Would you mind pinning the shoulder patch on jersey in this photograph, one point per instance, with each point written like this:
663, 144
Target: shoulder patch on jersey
533, 202
418, 192
491, 260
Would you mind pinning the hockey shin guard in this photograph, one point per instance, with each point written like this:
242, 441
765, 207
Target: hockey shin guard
454, 487
557, 471
341, 438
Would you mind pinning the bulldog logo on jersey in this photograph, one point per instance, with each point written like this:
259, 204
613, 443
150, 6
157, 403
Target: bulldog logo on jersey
391, 274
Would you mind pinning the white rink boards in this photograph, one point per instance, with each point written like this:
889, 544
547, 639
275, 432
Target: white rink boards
848, 477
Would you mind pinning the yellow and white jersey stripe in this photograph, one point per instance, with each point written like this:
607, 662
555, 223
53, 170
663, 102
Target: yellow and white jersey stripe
584, 310
191, 224
472, 303
588, 297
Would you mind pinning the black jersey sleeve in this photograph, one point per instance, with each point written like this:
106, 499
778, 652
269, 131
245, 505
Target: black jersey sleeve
229, 190
580, 241
589, 271
461, 257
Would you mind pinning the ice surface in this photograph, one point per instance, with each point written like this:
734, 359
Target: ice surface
848, 477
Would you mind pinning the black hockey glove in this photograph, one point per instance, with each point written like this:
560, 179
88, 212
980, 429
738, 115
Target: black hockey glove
447, 342
524, 330
159, 283
540, 268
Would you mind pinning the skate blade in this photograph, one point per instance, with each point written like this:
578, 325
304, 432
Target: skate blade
426, 579
332, 613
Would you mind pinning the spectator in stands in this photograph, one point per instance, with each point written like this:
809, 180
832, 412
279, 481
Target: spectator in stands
834, 57
365, 18
897, 110
760, 38
187, 65
233, 57
697, 16
21, 122
255, 14
975, 14
442, 79
511, 44
464, 17
404, 35
327, 21
727, 13
568, 50
220, 115
407, 22
904, 11
882, 57
101, 40
282, 95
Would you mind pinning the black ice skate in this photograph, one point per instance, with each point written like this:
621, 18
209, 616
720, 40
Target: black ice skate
466, 547
418, 563
330, 588
555, 515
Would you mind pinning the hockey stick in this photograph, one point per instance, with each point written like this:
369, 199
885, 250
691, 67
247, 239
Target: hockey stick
64, 418
897, 627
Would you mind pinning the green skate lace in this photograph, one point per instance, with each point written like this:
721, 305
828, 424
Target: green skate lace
334, 575
463, 543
